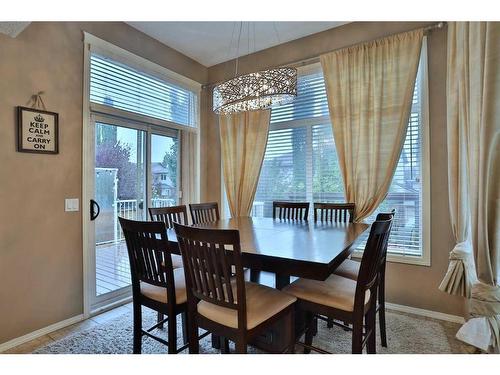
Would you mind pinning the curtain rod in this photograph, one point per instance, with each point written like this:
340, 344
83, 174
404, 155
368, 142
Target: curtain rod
312, 60
316, 59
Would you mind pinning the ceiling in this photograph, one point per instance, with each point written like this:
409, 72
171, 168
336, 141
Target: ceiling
211, 43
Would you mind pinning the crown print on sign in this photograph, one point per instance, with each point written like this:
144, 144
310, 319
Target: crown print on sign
37, 131
39, 118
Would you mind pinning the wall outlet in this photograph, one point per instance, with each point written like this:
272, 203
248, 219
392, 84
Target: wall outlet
71, 204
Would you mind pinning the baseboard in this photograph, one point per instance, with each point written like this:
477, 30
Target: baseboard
426, 313
40, 332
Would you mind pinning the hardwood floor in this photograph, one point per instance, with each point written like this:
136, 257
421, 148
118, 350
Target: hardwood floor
95, 321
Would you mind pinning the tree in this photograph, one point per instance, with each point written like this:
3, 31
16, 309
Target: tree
110, 154
327, 178
170, 161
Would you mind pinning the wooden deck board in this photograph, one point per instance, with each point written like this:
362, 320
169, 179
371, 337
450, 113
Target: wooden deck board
112, 267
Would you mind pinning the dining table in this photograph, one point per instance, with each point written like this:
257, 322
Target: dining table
289, 248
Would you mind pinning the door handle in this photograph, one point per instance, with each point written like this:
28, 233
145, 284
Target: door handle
93, 214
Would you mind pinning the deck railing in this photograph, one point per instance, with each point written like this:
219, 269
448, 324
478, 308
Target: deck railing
131, 209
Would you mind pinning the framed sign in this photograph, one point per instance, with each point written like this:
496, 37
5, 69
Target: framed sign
37, 131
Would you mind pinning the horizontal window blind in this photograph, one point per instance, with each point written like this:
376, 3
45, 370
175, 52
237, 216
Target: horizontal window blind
119, 86
301, 164
283, 174
327, 180
310, 102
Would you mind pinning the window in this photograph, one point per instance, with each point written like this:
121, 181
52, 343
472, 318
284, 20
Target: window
300, 163
120, 86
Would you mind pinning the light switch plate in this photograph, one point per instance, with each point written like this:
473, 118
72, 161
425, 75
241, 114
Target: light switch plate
71, 204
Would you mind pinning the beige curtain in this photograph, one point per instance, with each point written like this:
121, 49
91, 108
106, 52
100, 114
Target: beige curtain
473, 125
370, 89
243, 144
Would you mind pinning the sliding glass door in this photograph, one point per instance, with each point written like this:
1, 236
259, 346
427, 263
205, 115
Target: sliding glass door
120, 191
136, 166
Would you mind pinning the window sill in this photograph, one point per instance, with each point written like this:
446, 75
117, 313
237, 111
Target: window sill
406, 259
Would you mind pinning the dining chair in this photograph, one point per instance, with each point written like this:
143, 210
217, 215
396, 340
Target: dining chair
334, 212
221, 302
350, 269
204, 212
169, 215
155, 283
344, 299
290, 210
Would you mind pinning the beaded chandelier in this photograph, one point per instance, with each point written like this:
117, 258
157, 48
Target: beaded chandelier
255, 91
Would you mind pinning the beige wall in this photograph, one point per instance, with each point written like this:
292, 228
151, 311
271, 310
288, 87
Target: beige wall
406, 284
40, 244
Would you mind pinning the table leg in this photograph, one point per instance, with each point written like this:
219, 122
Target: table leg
215, 341
254, 276
282, 280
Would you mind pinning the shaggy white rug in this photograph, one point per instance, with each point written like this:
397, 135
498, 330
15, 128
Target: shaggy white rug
405, 333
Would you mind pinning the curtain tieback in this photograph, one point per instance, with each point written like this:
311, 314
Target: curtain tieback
461, 251
460, 274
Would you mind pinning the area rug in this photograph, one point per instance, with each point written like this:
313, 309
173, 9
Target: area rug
406, 334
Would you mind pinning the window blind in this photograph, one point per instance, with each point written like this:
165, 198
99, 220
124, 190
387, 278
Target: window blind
311, 101
119, 86
301, 164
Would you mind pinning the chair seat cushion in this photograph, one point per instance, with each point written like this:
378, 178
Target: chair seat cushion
159, 293
262, 303
336, 291
349, 268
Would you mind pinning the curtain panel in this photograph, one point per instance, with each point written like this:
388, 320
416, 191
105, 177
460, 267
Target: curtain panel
243, 144
473, 130
370, 89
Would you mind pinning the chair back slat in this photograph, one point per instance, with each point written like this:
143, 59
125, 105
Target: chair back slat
290, 210
149, 254
209, 256
169, 215
204, 212
334, 212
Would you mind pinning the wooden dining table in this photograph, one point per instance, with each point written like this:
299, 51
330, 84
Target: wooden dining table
287, 248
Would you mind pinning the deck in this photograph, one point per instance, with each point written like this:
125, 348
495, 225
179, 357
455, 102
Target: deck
112, 267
